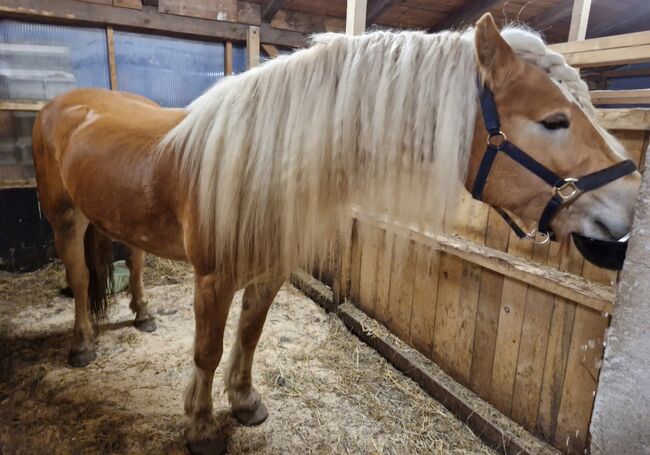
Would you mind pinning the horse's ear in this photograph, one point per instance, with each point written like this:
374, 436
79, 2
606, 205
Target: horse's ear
496, 59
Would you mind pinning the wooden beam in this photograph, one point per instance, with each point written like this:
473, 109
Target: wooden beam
227, 57
253, 46
639, 96
551, 16
377, 8
112, 68
609, 57
269, 8
270, 50
33, 106
598, 44
466, 15
563, 284
355, 19
624, 119
149, 19
579, 20
307, 23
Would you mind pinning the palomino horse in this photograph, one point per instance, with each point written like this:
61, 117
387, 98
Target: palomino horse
254, 177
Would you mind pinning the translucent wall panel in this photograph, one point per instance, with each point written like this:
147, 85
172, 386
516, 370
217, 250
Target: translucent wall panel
239, 64
170, 71
40, 61
16, 146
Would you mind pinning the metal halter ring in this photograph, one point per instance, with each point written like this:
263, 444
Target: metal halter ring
568, 191
538, 237
503, 140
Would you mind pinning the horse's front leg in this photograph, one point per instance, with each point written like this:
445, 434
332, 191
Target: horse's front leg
212, 298
247, 406
144, 318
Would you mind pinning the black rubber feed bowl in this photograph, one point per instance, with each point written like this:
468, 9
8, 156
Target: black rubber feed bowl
603, 253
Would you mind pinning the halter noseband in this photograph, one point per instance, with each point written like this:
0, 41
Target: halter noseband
565, 190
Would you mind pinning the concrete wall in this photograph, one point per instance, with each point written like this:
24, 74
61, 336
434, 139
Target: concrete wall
621, 418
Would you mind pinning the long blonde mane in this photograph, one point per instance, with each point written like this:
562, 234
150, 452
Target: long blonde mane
277, 155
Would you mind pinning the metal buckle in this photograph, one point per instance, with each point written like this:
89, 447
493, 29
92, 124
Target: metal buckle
567, 191
539, 237
503, 140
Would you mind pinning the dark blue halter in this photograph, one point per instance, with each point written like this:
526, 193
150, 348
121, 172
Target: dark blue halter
565, 190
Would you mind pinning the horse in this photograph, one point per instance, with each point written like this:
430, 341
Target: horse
256, 177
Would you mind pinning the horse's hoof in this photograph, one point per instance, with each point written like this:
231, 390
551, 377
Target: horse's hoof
215, 446
251, 417
79, 359
145, 325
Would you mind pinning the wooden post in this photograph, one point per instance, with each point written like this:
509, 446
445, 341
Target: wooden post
227, 57
620, 417
253, 46
270, 50
355, 20
579, 20
112, 68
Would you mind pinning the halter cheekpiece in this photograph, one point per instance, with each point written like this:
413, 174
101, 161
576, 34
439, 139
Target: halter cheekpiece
565, 191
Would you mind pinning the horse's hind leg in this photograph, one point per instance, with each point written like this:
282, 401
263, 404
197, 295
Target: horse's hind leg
212, 298
69, 230
144, 318
247, 406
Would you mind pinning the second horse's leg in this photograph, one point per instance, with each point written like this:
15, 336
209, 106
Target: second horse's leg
247, 406
212, 298
144, 318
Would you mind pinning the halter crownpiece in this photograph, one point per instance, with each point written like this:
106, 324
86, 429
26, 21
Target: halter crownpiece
565, 190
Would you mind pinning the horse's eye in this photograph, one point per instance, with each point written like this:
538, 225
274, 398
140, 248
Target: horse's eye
556, 122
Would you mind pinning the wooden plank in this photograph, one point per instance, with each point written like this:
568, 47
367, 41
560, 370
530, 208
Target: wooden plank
133, 4
270, 50
466, 15
377, 8
307, 23
547, 278
249, 13
223, 10
508, 339
355, 262
18, 183
488, 308
624, 119
149, 19
112, 68
269, 8
370, 238
579, 386
384, 265
227, 56
253, 46
401, 288
638, 96
579, 20
607, 43
355, 19
344, 242
447, 313
609, 57
424, 299
33, 106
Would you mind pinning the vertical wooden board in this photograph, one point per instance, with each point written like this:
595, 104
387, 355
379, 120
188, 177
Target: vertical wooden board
488, 308
447, 314
370, 237
355, 261
511, 318
557, 355
384, 265
634, 141
425, 293
221, 10
344, 243
401, 288
228, 59
579, 388
253, 46
112, 68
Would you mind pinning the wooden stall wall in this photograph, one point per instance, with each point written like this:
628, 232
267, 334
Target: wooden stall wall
525, 330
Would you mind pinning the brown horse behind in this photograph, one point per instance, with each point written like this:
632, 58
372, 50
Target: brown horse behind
252, 176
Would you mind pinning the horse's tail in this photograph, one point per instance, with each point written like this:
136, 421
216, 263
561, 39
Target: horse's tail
99, 260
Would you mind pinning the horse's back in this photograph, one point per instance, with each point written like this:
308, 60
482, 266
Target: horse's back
96, 150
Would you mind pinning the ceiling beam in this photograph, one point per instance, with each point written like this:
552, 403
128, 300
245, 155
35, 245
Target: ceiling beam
552, 15
466, 15
377, 8
269, 8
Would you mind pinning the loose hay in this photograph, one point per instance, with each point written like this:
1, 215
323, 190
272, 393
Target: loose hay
326, 391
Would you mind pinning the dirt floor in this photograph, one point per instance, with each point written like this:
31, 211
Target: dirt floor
326, 391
